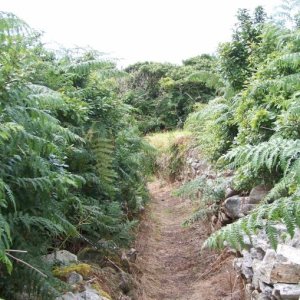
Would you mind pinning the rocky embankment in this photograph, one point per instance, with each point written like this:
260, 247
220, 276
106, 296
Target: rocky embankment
92, 275
268, 274
271, 274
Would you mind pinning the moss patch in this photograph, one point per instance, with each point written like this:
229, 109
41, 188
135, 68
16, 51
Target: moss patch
63, 272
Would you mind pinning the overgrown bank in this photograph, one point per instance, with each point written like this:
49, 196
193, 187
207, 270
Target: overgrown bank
73, 163
252, 132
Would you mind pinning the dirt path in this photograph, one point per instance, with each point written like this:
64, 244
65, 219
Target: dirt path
171, 263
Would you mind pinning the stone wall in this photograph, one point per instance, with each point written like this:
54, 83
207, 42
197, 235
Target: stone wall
268, 274
271, 274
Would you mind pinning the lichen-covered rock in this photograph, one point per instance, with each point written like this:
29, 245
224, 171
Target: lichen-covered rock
74, 278
62, 257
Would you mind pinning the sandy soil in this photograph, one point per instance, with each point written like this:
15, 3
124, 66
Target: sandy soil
170, 260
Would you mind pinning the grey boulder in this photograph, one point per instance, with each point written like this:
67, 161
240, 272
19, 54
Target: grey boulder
62, 256
257, 194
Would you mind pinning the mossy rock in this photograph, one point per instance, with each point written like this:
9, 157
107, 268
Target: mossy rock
63, 272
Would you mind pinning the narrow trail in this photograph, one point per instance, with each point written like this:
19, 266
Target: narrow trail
170, 261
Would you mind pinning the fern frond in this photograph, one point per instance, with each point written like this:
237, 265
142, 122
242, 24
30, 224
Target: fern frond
264, 217
85, 67
201, 214
291, 60
269, 155
272, 234
44, 98
11, 25
5, 243
103, 150
279, 190
289, 217
191, 188
8, 130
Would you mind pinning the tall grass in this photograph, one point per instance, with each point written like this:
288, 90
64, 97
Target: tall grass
171, 149
163, 140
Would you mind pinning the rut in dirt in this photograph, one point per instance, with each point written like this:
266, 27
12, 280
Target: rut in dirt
170, 261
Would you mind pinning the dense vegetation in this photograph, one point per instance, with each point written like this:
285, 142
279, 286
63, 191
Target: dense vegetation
73, 164
253, 128
164, 94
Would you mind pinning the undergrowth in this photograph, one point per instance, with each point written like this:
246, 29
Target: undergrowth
207, 192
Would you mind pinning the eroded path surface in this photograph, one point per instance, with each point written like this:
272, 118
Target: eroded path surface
171, 263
